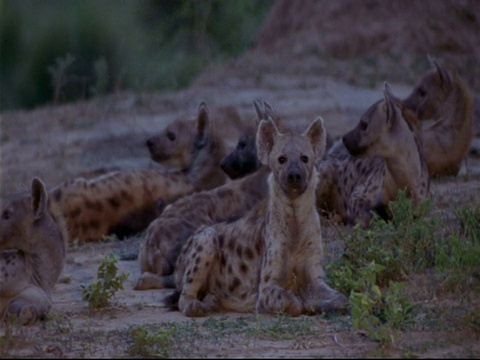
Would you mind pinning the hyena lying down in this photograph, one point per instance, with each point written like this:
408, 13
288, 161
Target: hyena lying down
386, 156
125, 202
167, 234
442, 97
33, 238
270, 260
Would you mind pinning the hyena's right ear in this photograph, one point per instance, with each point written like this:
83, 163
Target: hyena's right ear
203, 125
39, 198
266, 133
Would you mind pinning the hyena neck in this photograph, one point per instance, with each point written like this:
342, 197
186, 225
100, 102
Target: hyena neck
47, 264
293, 214
408, 169
205, 172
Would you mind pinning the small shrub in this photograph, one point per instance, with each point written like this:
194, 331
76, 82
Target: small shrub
151, 344
100, 292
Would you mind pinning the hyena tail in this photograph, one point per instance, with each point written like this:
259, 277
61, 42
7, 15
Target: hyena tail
171, 301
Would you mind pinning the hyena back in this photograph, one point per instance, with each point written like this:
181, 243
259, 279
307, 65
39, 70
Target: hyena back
125, 202
33, 239
442, 97
270, 260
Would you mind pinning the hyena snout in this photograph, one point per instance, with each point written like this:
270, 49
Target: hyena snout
295, 180
351, 142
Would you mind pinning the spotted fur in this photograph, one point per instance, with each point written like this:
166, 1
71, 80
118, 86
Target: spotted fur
271, 259
385, 155
443, 100
167, 234
124, 202
33, 239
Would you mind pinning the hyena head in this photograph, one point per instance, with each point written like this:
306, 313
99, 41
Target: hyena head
429, 94
178, 143
373, 134
243, 160
26, 222
290, 156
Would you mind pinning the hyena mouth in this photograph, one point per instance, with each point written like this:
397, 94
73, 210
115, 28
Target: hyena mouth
294, 184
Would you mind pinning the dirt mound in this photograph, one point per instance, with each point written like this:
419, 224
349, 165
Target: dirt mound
344, 29
347, 28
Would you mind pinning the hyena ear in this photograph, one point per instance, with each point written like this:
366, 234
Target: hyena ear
318, 137
265, 113
39, 198
203, 125
391, 105
266, 133
268, 110
444, 76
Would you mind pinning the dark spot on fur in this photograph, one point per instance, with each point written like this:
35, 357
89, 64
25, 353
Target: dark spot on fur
189, 280
243, 268
95, 224
223, 260
235, 283
114, 202
266, 278
221, 240
74, 213
239, 250
249, 253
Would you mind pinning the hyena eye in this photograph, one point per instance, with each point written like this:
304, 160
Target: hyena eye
304, 159
422, 92
6, 215
241, 145
363, 125
171, 136
282, 159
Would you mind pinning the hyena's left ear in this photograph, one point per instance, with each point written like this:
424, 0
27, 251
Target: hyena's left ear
444, 76
39, 197
203, 125
392, 105
318, 137
266, 133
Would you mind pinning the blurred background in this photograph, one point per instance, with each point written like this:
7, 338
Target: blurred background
55, 51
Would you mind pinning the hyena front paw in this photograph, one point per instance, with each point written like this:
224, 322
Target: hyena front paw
196, 308
280, 301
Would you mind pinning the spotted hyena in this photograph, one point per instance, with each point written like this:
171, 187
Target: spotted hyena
243, 160
125, 202
166, 235
270, 260
33, 239
443, 99
385, 155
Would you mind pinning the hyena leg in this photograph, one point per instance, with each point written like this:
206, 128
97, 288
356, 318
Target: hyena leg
272, 296
150, 280
195, 277
318, 297
31, 305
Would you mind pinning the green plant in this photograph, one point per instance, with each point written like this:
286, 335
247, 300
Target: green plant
101, 291
151, 344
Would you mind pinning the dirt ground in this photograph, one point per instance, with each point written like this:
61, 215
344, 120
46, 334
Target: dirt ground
62, 142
